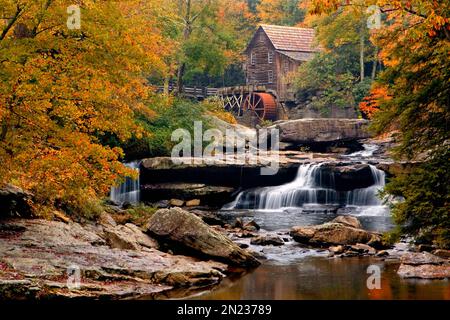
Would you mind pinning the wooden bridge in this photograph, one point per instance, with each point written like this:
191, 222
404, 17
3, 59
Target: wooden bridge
240, 100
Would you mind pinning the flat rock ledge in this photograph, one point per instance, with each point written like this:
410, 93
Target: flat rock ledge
423, 265
39, 259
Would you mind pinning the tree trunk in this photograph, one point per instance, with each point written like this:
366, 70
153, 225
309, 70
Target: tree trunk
186, 35
361, 51
375, 64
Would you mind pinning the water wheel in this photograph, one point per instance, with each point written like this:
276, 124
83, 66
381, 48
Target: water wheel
263, 105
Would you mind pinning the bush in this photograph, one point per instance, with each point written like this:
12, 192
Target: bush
425, 212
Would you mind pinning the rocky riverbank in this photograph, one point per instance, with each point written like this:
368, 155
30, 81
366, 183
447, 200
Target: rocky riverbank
115, 259
177, 253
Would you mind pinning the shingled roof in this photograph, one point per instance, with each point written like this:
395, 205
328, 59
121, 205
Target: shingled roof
291, 38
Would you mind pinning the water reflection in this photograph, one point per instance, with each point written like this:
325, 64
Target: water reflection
320, 278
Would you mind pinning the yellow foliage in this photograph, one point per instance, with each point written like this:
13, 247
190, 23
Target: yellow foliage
62, 90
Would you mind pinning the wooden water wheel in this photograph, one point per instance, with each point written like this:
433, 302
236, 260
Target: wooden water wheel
263, 105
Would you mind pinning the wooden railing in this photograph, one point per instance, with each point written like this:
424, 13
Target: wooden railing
192, 92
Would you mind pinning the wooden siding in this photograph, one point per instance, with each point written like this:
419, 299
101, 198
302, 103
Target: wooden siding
258, 72
282, 67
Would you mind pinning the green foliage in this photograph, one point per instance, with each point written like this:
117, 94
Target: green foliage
426, 208
137, 215
319, 78
333, 77
176, 114
361, 90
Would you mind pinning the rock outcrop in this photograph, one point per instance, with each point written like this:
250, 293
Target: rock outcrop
187, 232
323, 130
341, 231
267, 240
15, 202
423, 265
38, 257
202, 193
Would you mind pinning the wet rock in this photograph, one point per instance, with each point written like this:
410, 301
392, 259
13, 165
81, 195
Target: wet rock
347, 177
176, 202
330, 233
251, 226
267, 240
382, 253
243, 245
193, 203
36, 256
15, 202
336, 249
238, 224
414, 258
348, 221
423, 265
377, 242
246, 234
363, 248
424, 271
258, 255
441, 253
189, 232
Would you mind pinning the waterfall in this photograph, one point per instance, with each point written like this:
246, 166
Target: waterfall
368, 196
310, 187
129, 190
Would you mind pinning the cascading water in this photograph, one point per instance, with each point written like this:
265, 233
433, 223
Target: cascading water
311, 187
129, 190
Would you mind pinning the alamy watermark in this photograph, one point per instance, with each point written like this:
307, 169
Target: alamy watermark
73, 277
254, 147
374, 280
374, 20
74, 19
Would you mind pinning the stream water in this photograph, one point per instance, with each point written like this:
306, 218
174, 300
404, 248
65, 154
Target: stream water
294, 272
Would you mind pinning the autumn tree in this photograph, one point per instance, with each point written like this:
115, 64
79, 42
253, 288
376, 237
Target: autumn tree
280, 12
342, 73
210, 35
62, 89
414, 46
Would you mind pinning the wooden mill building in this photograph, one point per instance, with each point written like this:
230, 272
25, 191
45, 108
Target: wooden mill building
274, 54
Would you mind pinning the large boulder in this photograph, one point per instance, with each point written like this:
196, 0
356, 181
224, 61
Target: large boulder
188, 232
423, 265
337, 232
307, 131
348, 221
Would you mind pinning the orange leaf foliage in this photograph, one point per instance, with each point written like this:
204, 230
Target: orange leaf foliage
371, 104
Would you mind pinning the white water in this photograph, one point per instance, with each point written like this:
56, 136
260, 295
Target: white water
129, 190
369, 150
308, 190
